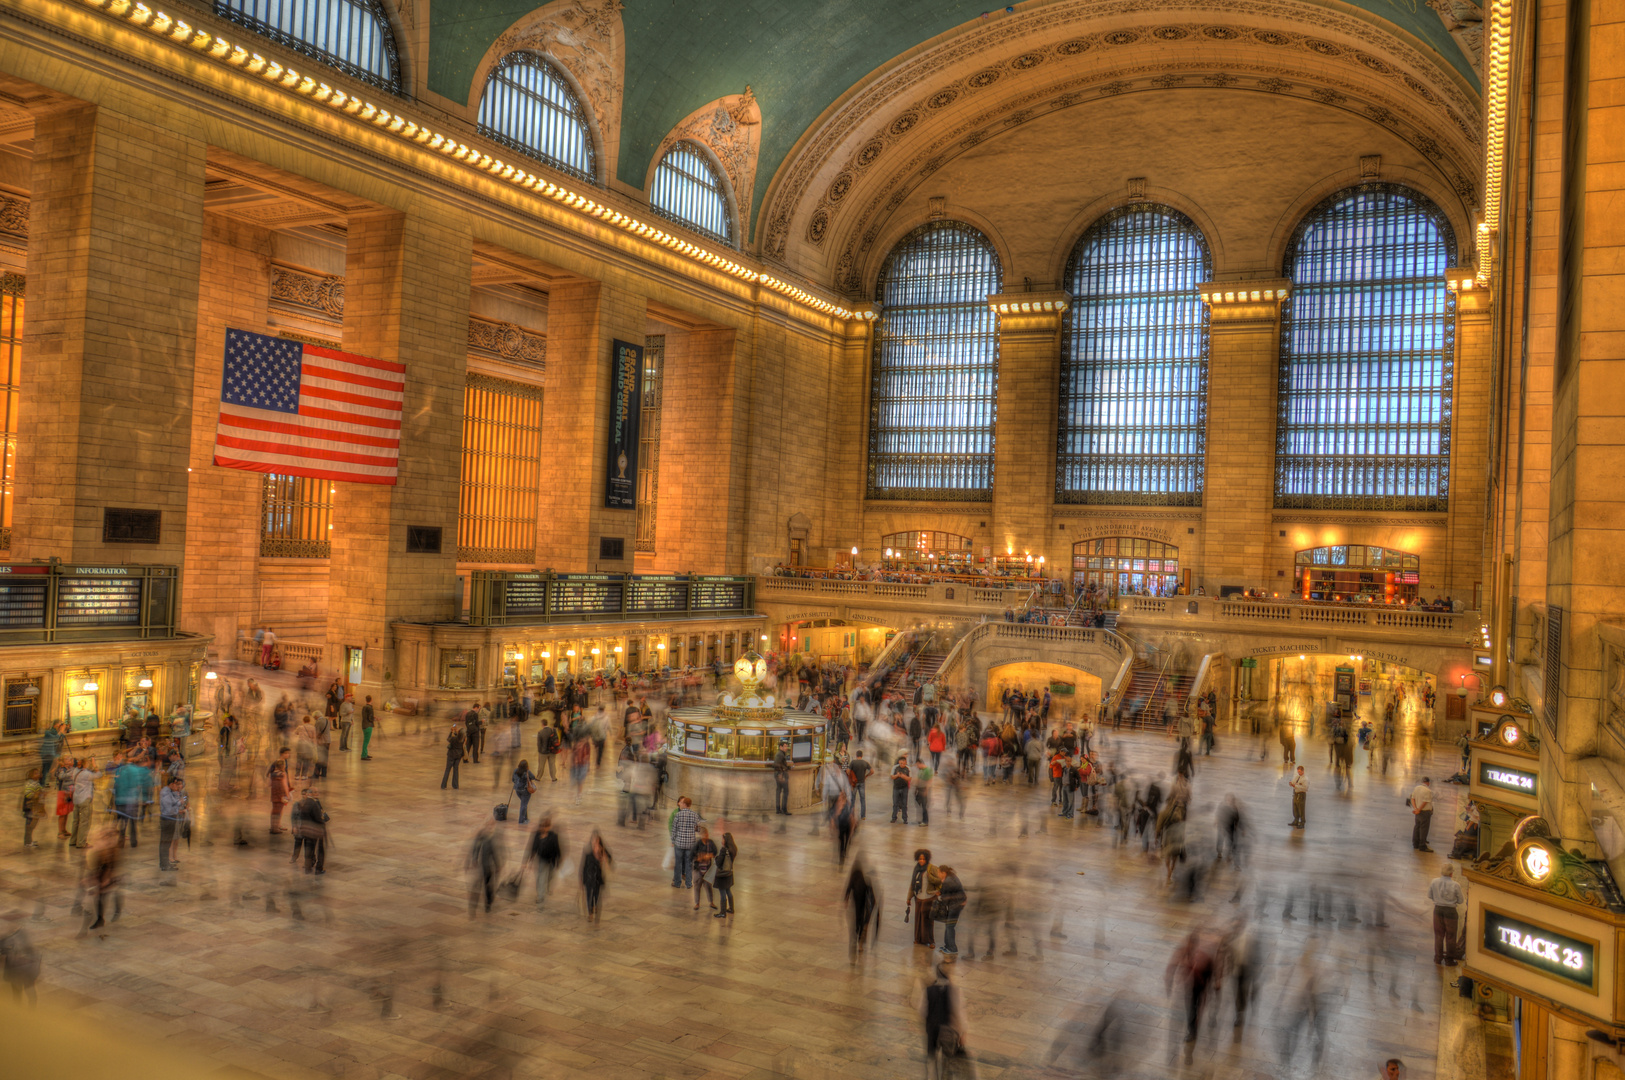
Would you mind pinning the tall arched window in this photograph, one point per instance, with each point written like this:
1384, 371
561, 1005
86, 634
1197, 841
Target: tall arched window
1133, 396
529, 106
351, 35
936, 367
688, 189
1367, 350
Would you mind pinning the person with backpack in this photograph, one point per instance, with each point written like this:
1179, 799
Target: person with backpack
524, 786
547, 749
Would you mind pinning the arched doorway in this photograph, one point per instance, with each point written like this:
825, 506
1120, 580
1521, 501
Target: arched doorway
1074, 693
1126, 565
1358, 572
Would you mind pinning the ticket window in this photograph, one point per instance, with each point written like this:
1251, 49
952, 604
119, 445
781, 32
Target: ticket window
510, 668
730, 645
634, 656
696, 650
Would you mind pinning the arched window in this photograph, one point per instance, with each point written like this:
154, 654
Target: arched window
1126, 564
1356, 572
688, 189
1367, 350
351, 35
529, 106
936, 367
1133, 396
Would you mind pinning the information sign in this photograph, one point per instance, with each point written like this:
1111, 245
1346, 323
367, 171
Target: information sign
100, 601
1507, 778
625, 412
1547, 951
527, 596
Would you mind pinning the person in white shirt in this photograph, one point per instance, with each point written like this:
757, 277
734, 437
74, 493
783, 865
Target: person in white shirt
1300, 791
1445, 896
1422, 806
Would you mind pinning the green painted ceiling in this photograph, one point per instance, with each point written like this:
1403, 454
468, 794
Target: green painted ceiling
798, 55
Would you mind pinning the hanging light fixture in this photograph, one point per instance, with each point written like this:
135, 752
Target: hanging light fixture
146, 679
210, 675
90, 685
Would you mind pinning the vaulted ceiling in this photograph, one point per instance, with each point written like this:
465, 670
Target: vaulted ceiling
803, 57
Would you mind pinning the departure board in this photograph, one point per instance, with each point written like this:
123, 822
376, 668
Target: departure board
526, 596
586, 594
718, 594
98, 602
657, 595
22, 603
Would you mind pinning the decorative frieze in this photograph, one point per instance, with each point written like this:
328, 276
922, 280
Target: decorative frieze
321, 295
505, 341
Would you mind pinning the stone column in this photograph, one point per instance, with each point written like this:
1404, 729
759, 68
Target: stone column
1469, 569
1238, 490
1024, 434
406, 284
1586, 562
114, 253
583, 319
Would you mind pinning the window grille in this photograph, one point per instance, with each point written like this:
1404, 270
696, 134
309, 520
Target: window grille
1133, 401
502, 471
529, 106
11, 358
296, 517
353, 36
688, 189
921, 544
935, 379
1367, 355
654, 367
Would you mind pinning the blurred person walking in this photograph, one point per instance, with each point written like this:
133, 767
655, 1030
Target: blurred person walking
32, 805
323, 730
103, 880
524, 786
547, 748
862, 902
281, 787
484, 866
944, 1020
1192, 966
310, 832
858, 772
547, 851
781, 778
595, 865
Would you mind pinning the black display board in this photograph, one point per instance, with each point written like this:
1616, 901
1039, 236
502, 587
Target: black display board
526, 596
657, 595
625, 413
22, 602
1545, 950
717, 594
586, 594
98, 601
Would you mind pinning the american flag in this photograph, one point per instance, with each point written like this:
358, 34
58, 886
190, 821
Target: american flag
302, 410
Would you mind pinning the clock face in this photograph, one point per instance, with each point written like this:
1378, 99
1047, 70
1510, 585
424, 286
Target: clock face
1537, 862
1510, 734
750, 669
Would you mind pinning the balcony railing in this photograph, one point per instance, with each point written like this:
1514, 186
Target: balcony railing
1245, 614
937, 593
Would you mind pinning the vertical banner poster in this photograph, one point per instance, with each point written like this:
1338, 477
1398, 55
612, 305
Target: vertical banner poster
625, 409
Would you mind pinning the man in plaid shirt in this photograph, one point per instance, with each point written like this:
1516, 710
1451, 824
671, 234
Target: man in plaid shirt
684, 827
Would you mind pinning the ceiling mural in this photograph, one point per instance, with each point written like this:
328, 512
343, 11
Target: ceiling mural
802, 59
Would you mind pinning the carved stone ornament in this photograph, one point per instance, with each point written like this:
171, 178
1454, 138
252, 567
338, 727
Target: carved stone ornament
1334, 73
586, 39
505, 341
1572, 878
318, 294
14, 216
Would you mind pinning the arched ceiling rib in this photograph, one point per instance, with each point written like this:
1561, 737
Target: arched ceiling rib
802, 58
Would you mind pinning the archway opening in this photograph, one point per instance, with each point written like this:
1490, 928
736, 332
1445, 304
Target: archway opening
1127, 566
924, 550
1389, 711
1074, 693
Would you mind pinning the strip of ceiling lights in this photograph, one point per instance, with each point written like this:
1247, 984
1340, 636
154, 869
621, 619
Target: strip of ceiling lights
227, 52
1497, 89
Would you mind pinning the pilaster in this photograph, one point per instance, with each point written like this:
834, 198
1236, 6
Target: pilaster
1467, 538
115, 248
1024, 432
583, 320
406, 282
1238, 492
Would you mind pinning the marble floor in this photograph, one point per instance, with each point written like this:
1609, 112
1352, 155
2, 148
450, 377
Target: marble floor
376, 969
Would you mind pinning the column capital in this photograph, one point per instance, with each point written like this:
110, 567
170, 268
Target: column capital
1472, 298
1245, 301
1032, 312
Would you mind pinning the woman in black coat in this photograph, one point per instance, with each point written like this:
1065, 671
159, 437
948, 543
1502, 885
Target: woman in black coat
920, 895
595, 864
